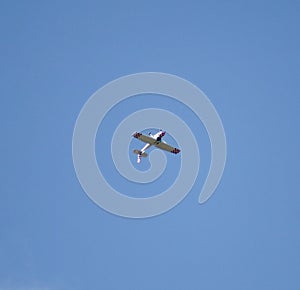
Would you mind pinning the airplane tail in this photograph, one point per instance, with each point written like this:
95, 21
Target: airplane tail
139, 154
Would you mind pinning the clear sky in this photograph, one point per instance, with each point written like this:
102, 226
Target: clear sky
243, 54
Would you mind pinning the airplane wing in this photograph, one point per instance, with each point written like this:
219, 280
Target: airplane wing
161, 145
167, 147
144, 138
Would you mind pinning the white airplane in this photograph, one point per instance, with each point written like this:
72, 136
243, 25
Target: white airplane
155, 140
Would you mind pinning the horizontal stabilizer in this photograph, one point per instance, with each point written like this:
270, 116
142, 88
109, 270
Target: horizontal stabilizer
144, 154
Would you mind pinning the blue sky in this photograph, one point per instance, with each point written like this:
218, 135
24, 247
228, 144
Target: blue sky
243, 54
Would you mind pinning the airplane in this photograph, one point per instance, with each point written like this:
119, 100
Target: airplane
152, 140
